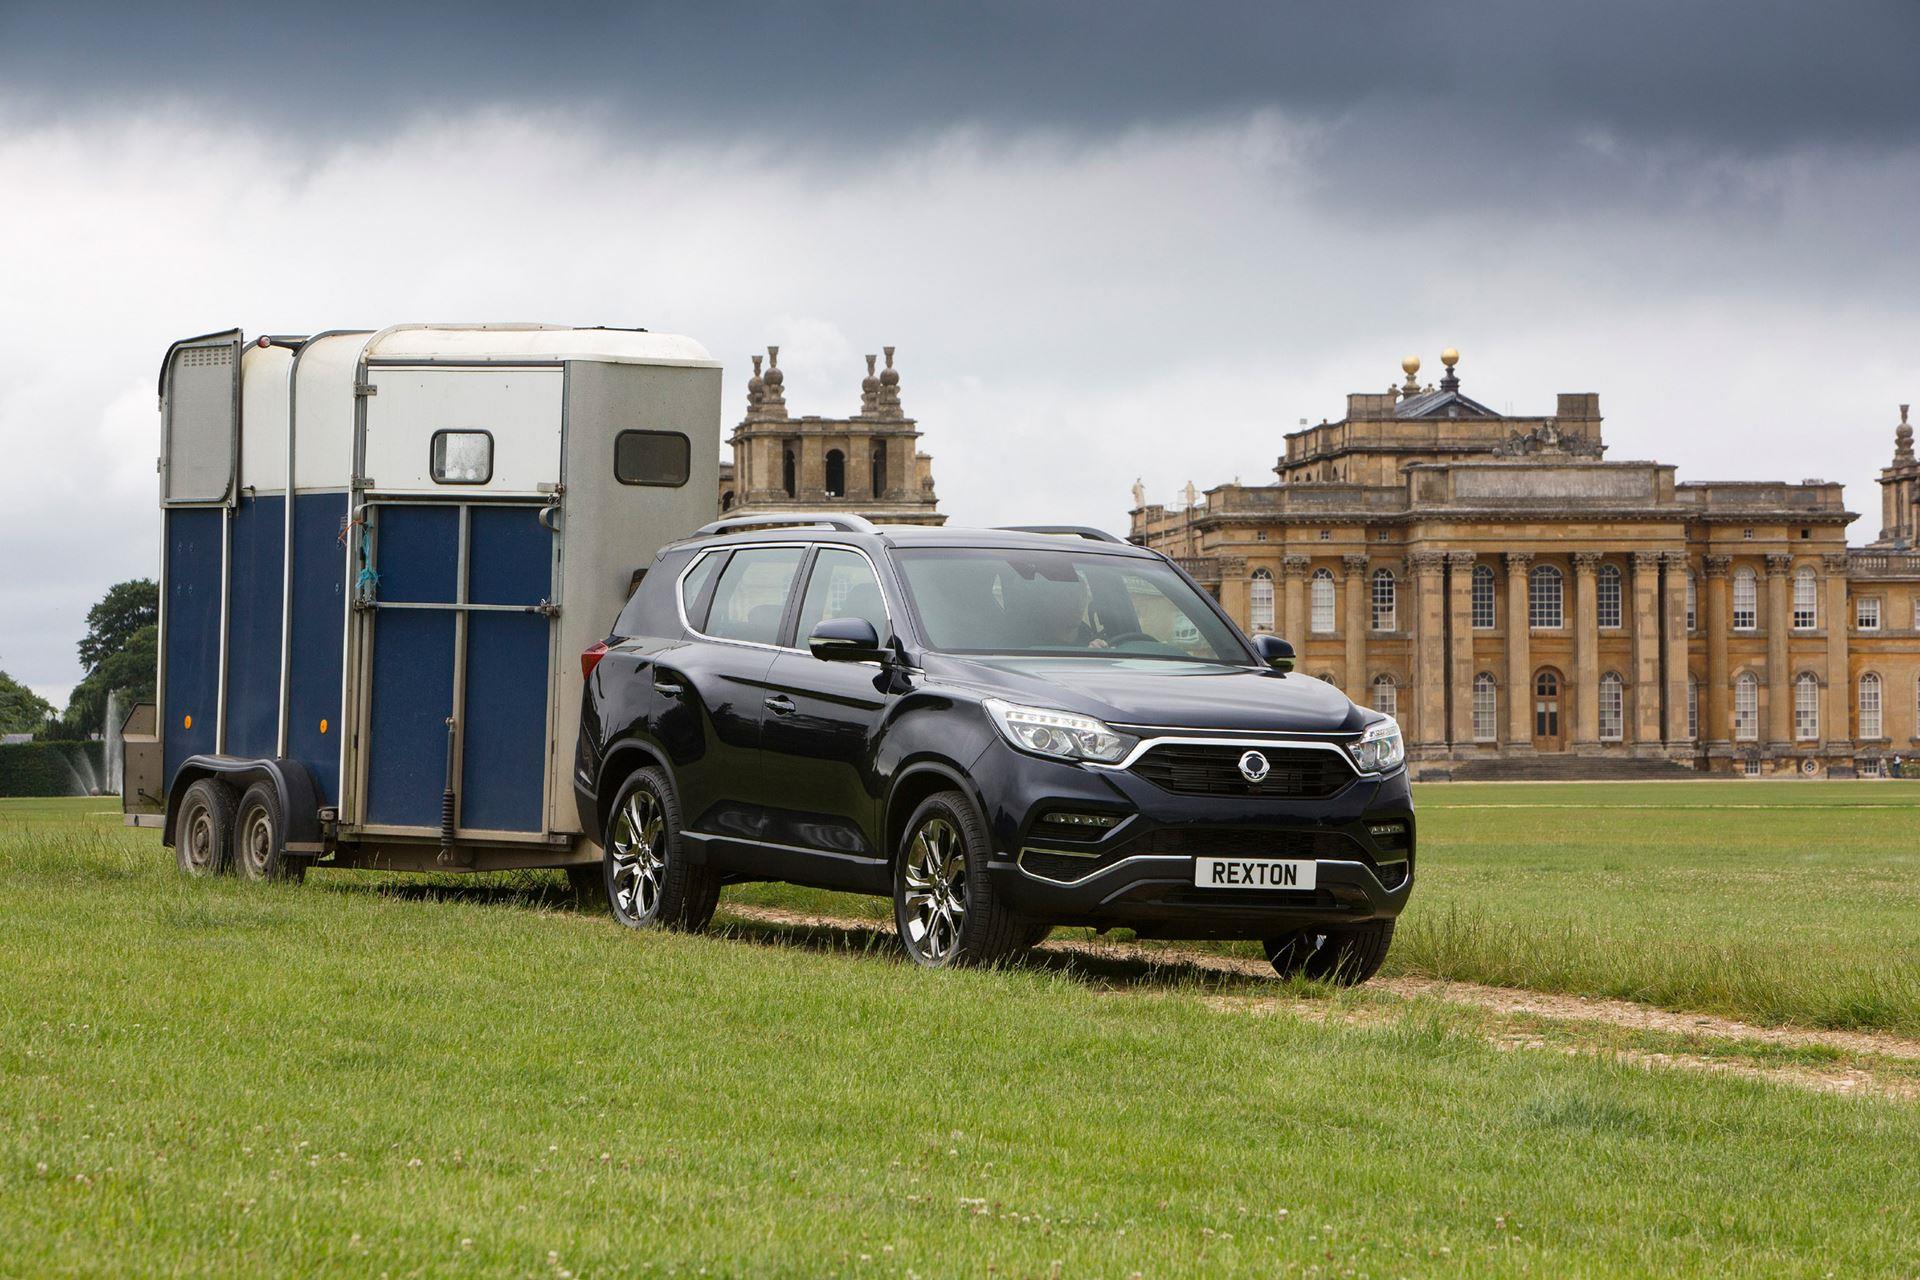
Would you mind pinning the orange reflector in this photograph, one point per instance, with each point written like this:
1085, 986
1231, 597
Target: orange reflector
189, 723
323, 726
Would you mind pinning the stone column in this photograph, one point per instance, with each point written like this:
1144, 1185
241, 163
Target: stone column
1358, 619
1460, 644
1676, 628
1644, 726
1293, 619
1779, 686
1234, 588
812, 479
1716, 726
1425, 568
1519, 654
1586, 650
1836, 712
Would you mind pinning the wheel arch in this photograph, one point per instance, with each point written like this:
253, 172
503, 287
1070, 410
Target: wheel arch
621, 760
912, 785
292, 783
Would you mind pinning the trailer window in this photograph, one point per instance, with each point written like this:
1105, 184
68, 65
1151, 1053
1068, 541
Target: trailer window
462, 457
652, 457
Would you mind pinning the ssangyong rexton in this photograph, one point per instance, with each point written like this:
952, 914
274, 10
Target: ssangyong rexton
1002, 730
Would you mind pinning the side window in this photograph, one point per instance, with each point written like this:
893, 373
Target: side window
662, 458
841, 585
694, 585
751, 596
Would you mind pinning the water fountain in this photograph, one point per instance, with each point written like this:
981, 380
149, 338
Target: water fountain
114, 750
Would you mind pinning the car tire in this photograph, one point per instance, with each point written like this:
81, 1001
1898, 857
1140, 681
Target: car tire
645, 875
1343, 954
260, 838
203, 828
944, 904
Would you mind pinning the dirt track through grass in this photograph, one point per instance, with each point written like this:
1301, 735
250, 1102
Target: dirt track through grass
1506, 1004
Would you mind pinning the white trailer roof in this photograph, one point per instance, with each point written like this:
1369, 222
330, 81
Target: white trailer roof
519, 342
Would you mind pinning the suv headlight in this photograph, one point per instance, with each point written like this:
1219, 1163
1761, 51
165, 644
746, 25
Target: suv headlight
1059, 734
1380, 748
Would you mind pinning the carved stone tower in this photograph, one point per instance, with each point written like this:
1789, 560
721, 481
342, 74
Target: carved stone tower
867, 464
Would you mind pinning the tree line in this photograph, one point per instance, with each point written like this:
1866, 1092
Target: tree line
119, 653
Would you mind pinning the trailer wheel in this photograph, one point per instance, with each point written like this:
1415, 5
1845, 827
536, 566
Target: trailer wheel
260, 837
203, 829
649, 882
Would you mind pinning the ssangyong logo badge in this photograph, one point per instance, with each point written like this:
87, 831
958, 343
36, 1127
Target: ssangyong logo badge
1254, 766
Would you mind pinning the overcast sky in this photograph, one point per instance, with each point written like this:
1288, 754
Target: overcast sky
1109, 241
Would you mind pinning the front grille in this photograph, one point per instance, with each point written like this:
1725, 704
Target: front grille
1213, 770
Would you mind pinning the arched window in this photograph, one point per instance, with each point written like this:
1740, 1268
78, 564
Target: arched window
726, 500
1746, 707
1327, 677
1613, 707
1870, 724
1321, 589
879, 468
1483, 614
1544, 606
1486, 708
1386, 695
1693, 603
1746, 600
1260, 601
836, 474
787, 469
1383, 610
1806, 599
1806, 707
1607, 596
1693, 708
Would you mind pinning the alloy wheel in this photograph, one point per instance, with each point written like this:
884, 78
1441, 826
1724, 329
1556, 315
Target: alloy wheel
935, 882
637, 847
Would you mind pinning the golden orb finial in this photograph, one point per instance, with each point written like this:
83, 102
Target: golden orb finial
1410, 366
1450, 357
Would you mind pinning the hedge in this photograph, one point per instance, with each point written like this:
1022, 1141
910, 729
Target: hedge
52, 768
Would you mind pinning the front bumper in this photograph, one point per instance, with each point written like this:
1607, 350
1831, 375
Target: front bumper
1139, 874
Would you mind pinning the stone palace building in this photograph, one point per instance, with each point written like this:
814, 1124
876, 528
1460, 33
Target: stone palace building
868, 464
1510, 593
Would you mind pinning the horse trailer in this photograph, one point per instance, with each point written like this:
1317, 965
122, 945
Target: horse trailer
382, 554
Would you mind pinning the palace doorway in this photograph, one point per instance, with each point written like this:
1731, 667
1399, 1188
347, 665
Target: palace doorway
1549, 733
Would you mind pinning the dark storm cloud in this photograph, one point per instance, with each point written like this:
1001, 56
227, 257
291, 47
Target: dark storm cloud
1748, 77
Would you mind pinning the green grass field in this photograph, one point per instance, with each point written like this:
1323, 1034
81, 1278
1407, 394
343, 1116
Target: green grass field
376, 1075
1791, 902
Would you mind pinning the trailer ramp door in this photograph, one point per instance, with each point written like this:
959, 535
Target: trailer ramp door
460, 632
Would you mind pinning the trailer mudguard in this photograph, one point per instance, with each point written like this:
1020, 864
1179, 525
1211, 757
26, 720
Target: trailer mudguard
294, 785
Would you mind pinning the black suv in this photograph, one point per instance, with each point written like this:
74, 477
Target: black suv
1003, 730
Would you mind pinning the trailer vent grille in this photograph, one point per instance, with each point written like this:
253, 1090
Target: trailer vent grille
206, 357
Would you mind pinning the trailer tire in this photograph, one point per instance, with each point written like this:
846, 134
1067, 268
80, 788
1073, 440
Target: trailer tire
647, 878
260, 837
203, 828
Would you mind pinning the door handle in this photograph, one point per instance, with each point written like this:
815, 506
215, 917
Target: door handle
668, 689
781, 706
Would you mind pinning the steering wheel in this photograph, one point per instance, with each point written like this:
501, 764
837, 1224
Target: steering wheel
1128, 636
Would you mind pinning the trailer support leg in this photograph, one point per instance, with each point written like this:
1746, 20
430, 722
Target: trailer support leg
446, 801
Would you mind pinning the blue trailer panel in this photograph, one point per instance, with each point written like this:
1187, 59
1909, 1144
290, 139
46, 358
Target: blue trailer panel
255, 595
319, 635
192, 694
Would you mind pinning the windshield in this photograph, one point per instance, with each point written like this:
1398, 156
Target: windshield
982, 600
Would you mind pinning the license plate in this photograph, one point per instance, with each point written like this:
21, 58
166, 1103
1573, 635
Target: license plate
1254, 873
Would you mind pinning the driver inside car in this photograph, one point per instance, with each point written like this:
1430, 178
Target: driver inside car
1049, 613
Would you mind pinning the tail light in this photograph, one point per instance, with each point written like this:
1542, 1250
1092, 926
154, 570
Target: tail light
590, 658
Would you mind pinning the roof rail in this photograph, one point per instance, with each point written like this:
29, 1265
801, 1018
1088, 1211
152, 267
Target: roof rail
1063, 530
799, 519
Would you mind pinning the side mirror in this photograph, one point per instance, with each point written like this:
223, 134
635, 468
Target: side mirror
846, 640
1274, 651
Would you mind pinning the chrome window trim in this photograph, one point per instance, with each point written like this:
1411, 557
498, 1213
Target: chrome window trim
1145, 745
680, 593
